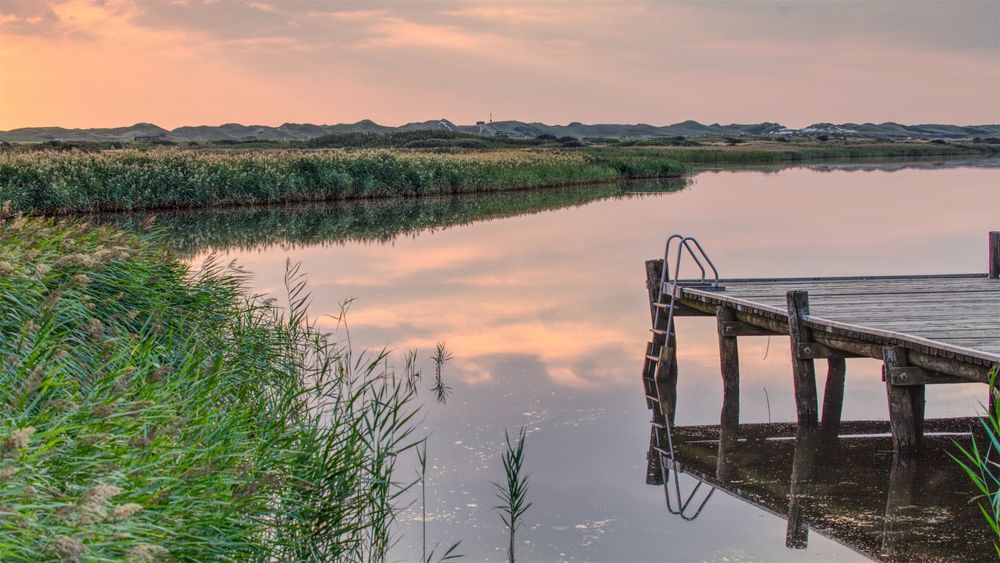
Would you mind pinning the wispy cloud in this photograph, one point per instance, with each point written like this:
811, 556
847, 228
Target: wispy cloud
795, 62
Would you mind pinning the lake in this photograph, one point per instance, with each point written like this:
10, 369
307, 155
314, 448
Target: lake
541, 299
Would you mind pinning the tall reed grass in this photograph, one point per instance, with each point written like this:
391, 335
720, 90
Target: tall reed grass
59, 182
513, 492
979, 461
152, 412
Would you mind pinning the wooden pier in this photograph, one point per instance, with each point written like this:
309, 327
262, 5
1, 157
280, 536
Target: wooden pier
926, 330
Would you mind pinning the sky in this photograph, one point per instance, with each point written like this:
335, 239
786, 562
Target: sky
107, 63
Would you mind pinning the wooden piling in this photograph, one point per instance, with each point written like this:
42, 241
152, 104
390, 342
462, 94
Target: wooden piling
730, 364
664, 347
666, 381
906, 405
654, 461
654, 269
803, 369
993, 272
833, 393
994, 258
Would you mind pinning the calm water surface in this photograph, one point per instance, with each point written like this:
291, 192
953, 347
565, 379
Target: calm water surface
547, 318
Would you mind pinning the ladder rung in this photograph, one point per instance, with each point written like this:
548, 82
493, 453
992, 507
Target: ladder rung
658, 424
663, 451
652, 358
652, 397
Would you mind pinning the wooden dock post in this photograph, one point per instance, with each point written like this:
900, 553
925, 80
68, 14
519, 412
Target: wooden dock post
994, 259
906, 405
833, 393
729, 357
803, 369
993, 272
664, 347
654, 461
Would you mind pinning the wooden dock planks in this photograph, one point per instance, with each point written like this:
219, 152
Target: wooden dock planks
956, 316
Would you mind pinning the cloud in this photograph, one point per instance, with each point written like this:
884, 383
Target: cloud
399, 32
272, 62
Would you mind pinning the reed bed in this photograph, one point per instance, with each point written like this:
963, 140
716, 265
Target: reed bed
149, 412
60, 182
778, 153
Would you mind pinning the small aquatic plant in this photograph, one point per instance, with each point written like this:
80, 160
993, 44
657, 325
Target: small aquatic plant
449, 554
411, 375
981, 465
440, 357
513, 492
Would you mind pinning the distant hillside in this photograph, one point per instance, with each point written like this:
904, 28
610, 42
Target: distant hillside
305, 131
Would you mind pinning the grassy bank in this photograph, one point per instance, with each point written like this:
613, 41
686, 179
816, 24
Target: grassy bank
148, 412
773, 152
80, 181
56, 182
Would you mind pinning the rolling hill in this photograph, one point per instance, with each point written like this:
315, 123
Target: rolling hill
305, 131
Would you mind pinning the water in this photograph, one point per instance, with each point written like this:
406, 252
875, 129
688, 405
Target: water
546, 314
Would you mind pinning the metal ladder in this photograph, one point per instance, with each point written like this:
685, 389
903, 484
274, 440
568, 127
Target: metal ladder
663, 331
652, 370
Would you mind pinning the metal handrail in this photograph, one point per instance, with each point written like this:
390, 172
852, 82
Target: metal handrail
681, 509
665, 468
683, 244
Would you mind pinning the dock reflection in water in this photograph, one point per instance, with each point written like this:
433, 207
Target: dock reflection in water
846, 485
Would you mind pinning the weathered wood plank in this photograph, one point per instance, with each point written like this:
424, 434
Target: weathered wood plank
738, 328
912, 375
817, 351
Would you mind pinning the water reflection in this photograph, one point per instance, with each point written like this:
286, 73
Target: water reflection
845, 485
365, 221
540, 297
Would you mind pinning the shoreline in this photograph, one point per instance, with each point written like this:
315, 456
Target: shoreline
61, 183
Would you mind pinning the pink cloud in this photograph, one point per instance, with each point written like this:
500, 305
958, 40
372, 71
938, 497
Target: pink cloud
65, 62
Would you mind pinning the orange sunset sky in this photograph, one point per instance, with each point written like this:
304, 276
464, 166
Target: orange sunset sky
103, 63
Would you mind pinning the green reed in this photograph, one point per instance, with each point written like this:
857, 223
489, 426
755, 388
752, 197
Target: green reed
979, 462
440, 358
150, 412
59, 182
513, 492
451, 553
